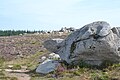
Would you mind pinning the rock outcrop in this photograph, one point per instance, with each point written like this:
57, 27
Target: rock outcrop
94, 43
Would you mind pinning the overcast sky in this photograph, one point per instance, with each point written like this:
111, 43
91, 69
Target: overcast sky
54, 14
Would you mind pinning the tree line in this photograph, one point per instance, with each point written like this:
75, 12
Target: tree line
17, 32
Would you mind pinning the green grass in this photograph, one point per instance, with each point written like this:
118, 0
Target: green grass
16, 67
111, 72
31, 62
2, 60
4, 77
81, 72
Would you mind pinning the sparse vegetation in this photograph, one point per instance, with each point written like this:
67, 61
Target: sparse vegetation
2, 60
31, 50
16, 66
109, 73
4, 77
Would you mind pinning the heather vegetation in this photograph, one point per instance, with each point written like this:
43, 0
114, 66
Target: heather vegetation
30, 49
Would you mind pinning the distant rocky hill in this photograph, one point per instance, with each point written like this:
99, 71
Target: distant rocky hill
12, 47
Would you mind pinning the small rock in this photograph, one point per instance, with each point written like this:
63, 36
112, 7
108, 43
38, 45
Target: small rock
10, 66
43, 58
47, 66
54, 56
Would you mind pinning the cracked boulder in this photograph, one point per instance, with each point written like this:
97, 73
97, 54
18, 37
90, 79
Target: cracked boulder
94, 43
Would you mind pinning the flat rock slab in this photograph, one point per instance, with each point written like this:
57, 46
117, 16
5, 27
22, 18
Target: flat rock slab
47, 66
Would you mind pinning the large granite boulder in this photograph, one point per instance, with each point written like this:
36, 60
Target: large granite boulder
94, 43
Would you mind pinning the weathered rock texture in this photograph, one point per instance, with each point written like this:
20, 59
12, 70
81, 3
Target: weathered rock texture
51, 45
47, 66
93, 43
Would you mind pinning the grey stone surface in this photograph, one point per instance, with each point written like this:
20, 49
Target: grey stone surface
93, 43
51, 45
47, 66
